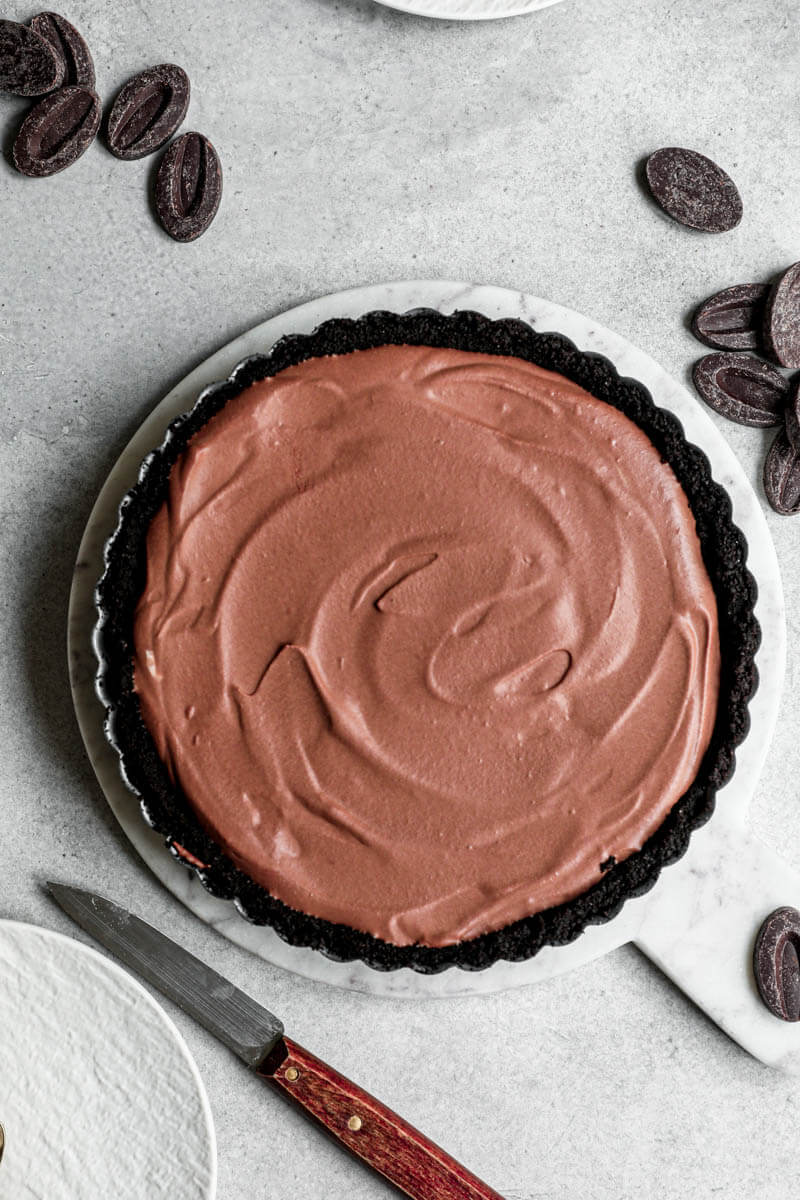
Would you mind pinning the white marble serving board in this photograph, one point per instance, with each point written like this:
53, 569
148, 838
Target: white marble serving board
468, 10
656, 921
99, 1095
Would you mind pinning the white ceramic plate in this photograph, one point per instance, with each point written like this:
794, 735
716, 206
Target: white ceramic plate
99, 1095
446, 297
468, 10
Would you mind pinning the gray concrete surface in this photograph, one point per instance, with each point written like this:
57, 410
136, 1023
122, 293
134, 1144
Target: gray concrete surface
359, 145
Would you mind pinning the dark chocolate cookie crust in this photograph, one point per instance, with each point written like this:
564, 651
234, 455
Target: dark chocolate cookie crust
724, 550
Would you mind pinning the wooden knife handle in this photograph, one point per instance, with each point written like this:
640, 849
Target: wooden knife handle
368, 1129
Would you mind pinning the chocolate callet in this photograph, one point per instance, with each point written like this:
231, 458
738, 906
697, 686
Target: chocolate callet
188, 187
782, 476
742, 388
792, 414
776, 965
29, 66
148, 110
732, 319
693, 190
70, 47
782, 319
57, 131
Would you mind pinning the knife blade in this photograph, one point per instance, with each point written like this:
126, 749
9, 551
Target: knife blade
361, 1124
235, 1018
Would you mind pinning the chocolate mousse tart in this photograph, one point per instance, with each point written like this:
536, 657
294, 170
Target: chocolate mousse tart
428, 640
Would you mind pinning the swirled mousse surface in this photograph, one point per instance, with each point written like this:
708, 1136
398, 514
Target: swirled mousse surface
426, 638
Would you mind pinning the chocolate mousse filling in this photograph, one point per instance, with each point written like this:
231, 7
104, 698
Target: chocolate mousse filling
417, 646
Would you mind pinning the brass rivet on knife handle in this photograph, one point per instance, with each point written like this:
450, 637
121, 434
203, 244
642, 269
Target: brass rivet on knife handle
291, 1074
354, 1123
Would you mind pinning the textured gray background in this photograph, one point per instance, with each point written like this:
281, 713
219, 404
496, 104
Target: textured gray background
361, 145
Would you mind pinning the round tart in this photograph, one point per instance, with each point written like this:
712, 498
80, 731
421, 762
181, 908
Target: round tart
427, 639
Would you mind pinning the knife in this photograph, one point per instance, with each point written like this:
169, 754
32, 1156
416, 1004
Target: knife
358, 1121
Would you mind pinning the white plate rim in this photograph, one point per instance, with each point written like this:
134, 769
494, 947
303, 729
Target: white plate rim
138, 988
469, 10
